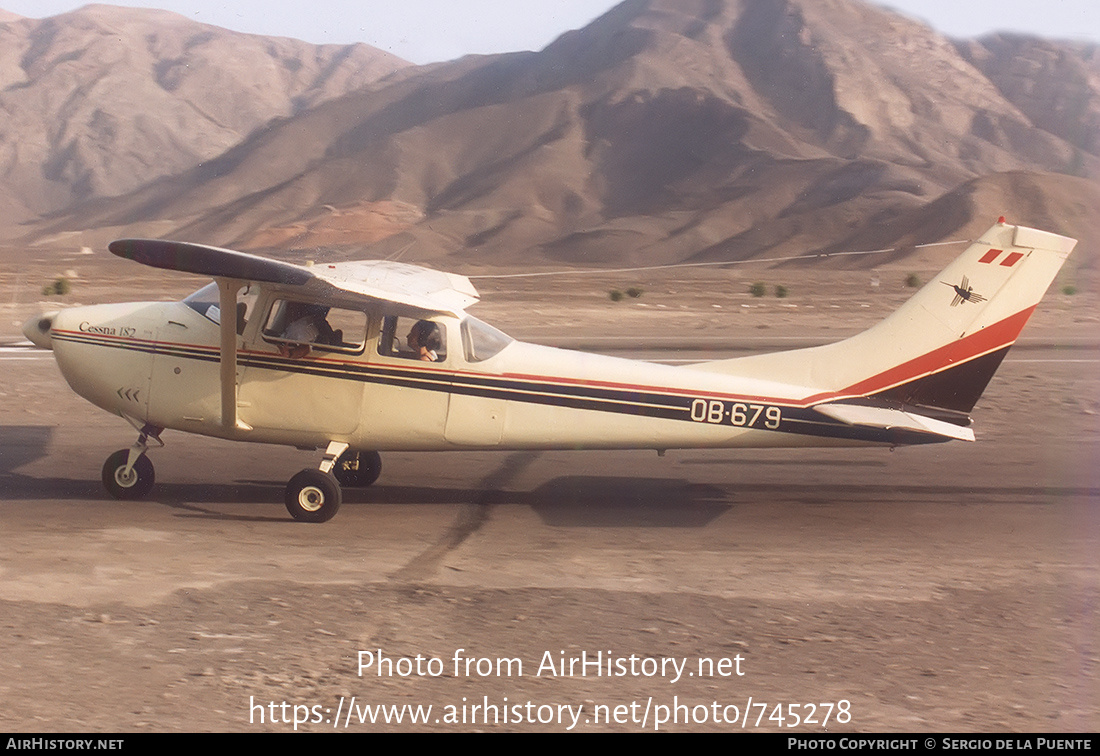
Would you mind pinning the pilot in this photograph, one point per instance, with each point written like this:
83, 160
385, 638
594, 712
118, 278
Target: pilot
425, 341
306, 324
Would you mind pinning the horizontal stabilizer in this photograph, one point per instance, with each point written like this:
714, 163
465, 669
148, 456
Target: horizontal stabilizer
889, 418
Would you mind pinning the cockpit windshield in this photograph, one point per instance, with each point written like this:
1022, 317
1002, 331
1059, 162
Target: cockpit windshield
480, 341
206, 302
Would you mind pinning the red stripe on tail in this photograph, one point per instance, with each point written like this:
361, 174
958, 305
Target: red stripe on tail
982, 342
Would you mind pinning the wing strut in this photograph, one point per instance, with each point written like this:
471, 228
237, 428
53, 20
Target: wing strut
227, 304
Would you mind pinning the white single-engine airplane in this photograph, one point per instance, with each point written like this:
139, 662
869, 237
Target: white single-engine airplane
316, 357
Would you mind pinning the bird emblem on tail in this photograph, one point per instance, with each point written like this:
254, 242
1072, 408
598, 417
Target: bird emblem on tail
964, 292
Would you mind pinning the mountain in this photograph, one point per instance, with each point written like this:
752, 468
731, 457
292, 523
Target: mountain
1055, 85
666, 130
102, 100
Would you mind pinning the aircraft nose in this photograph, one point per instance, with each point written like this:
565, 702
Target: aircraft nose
37, 329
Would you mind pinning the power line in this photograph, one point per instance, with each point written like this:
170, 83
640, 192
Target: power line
820, 256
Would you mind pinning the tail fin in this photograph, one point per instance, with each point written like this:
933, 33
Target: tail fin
938, 351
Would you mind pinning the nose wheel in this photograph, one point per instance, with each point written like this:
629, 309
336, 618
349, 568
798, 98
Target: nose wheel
128, 481
128, 473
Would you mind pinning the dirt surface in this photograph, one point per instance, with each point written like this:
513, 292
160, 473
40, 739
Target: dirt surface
948, 588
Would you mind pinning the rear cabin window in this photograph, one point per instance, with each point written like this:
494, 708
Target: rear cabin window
333, 329
412, 339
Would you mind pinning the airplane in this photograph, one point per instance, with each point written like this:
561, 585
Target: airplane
316, 357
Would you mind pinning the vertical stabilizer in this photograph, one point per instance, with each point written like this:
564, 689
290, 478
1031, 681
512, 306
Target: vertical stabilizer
939, 349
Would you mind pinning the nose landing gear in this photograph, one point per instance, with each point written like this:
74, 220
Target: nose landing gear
128, 474
128, 480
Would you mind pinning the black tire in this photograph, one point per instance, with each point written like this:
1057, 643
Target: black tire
136, 485
313, 496
357, 469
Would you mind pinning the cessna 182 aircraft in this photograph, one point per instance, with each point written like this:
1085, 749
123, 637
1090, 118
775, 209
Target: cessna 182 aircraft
316, 357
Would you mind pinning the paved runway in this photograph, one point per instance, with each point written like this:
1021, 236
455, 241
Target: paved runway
941, 588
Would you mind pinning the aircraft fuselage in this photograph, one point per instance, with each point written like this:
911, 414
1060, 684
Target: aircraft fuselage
158, 363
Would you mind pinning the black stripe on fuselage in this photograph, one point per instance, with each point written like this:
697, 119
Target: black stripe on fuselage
956, 388
628, 401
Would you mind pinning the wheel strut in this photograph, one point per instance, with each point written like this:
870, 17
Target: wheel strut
142, 445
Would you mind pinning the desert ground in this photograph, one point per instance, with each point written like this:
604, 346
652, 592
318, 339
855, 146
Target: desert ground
952, 587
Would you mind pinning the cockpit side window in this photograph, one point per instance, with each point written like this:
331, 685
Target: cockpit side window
206, 302
333, 329
480, 341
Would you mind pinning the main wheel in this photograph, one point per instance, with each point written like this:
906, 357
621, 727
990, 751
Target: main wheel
135, 484
357, 469
313, 496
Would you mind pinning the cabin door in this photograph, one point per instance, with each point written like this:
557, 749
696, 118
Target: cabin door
303, 369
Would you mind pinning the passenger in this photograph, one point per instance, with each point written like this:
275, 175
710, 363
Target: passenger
306, 324
425, 341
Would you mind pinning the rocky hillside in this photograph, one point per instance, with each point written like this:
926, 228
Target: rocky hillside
1055, 85
666, 130
102, 100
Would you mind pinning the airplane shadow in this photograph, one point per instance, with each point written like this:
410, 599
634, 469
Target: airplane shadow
583, 501
596, 501
568, 501
22, 444
189, 499
564, 502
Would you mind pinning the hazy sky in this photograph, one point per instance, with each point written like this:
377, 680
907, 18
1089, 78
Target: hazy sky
424, 31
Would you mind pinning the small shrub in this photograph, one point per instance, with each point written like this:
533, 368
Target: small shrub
634, 292
912, 280
60, 287
758, 289
781, 291
616, 295
1069, 289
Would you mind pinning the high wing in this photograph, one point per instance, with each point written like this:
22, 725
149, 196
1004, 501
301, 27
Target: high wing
406, 289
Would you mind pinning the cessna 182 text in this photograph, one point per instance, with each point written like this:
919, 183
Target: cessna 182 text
361, 357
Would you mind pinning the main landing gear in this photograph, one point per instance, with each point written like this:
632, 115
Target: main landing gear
357, 469
313, 495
